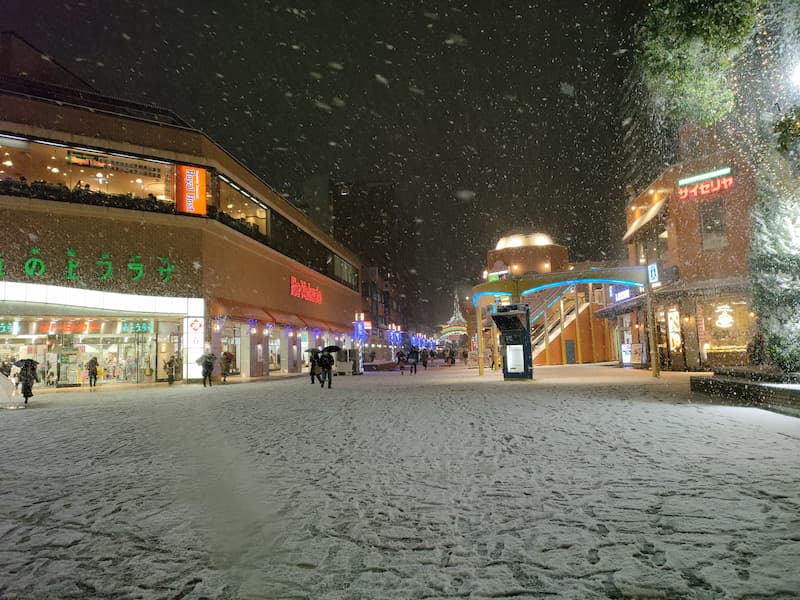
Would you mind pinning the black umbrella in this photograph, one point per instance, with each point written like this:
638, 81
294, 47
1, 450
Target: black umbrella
25, 362
333, 348
313, 350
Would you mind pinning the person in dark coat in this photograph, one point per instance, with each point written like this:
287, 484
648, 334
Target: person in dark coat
423, 357
326, 363
207, 362
413, 359
169, 368
225, 364
27, 375
316, 368
91, 368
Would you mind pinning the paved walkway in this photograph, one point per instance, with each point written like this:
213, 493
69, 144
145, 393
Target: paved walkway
588, 482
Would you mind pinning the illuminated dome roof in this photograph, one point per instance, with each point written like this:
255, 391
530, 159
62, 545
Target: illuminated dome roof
524, 239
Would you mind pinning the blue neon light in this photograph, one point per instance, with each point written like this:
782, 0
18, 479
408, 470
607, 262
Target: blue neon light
481, 294
575, 281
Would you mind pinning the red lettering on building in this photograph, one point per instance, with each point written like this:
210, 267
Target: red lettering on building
302, 289
705, 188
78, 327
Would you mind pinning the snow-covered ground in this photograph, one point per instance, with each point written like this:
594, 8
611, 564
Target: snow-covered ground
589, 482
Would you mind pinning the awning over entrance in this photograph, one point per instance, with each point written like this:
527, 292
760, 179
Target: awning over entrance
222, 307
644, 219
620, 308
321, 325
284, 318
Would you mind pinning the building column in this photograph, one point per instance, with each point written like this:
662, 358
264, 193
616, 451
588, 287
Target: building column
591, 326
691, 339
561, 325
546, 338
578, 351
480, 339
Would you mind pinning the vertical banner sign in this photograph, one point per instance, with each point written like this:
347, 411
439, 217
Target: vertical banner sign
194, 336
191, 190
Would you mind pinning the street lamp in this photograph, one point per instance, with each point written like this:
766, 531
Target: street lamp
795, 76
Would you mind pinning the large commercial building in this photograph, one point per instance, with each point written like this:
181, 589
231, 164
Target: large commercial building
129, 236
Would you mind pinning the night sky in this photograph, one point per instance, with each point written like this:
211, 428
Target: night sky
491, 116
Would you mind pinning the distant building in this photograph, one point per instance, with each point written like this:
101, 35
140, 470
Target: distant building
369, 218
564, 328
519, 254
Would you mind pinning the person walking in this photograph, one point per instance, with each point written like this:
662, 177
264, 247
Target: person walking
91, 368
401, 361
27, 375
225, 365
326, 364
413, 359
315, 369
423, 356
169, 368
207, 362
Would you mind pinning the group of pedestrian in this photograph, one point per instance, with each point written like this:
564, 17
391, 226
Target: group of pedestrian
410, 359
321, 367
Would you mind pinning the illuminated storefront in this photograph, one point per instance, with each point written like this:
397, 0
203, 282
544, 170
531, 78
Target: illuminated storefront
692, 226
132, 336
127, 201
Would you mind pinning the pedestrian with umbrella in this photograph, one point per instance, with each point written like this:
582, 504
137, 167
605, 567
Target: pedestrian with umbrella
27, 376
207, 361
315, 368
326, 363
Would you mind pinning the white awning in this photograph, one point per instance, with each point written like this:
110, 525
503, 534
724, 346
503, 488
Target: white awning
644, 218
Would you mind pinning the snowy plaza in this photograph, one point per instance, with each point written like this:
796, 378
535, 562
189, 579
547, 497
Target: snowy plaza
589, 482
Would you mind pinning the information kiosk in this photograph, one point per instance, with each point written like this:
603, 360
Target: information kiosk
513, 321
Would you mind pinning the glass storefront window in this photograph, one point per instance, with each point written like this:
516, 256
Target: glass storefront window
93, 171
169, 347
304, 345
724, 325
124, 348
275, 349
235, 204
231, 341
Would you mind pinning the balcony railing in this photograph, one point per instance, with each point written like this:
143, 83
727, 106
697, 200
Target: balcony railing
60, 193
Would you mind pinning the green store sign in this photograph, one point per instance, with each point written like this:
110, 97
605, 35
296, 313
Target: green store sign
75, 268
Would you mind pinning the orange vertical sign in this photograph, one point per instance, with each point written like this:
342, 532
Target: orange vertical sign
191, 190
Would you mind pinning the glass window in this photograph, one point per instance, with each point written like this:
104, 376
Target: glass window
243, 208
55, 166
713, 226
724, 325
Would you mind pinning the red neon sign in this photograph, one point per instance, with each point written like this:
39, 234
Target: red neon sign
80, 327
302, 289
705, 188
